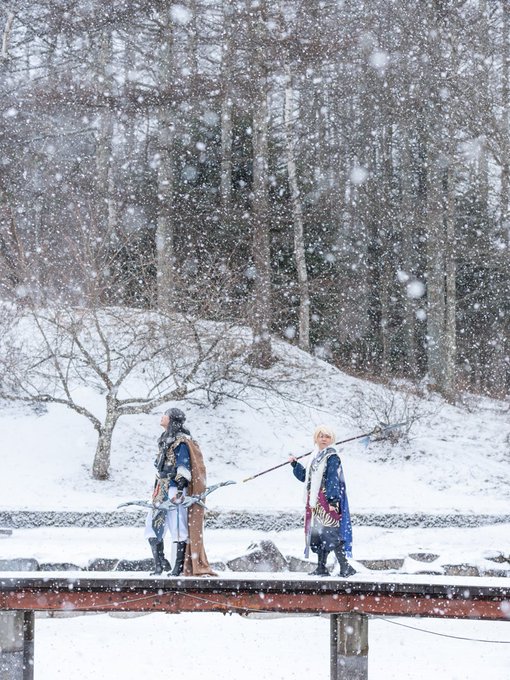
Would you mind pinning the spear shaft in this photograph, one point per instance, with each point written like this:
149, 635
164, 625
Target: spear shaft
376, 430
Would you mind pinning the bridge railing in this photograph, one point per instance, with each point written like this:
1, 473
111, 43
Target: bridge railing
349, 602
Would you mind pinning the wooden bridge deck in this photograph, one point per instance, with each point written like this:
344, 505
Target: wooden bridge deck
395, 595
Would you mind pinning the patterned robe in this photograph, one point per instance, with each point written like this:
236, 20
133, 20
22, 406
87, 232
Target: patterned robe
324, 486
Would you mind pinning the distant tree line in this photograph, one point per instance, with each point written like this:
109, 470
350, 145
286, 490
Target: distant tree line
334, 173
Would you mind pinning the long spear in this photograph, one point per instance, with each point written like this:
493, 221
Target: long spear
377, 430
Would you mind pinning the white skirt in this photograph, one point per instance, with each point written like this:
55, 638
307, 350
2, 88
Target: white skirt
176, 520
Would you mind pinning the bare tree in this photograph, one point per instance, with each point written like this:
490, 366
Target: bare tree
165, 165
6, 33
505, 122
104, 146
441, 298
379, 194
297, 212
226, 109
261, 314
136, 360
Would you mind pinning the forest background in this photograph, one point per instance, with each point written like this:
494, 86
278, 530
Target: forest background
332, 173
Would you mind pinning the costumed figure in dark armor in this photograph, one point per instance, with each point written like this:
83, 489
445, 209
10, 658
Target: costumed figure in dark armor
327, 518
180, 470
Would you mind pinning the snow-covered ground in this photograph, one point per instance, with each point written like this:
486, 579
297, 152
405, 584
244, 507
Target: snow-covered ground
228, 647
453, 545
217, 647
457, 461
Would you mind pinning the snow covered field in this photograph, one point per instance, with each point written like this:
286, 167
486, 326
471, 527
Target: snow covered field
457, 461
228, 647
218, 647
80, 546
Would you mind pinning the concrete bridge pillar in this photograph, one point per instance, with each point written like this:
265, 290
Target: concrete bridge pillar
349, 646
16, 645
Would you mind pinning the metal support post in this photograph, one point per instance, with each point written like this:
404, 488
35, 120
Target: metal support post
349, 646
16, 645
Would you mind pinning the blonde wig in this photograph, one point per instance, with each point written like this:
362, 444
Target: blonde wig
324, 429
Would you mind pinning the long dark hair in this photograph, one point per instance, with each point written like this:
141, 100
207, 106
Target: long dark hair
175, 428
176, 424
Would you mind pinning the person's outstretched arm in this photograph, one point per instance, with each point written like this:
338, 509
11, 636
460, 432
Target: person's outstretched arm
298, 469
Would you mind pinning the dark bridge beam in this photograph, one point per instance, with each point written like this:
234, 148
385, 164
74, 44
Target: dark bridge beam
349, 604
435, 597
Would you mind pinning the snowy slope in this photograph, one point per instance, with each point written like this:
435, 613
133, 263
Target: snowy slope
457, 459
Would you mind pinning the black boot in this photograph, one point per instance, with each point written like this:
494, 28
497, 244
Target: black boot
179, 559
322, 557
156, 554
165, 564
345, 568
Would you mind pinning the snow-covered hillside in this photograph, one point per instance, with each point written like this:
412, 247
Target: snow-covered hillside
457, 458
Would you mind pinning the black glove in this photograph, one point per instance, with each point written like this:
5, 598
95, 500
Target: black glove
335, 505
293, 463
181, 483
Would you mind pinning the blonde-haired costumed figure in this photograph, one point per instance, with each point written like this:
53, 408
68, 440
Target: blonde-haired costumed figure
327, 518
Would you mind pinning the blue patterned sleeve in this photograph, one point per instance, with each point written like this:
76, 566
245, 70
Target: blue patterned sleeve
183, 464
333, 479
299, 472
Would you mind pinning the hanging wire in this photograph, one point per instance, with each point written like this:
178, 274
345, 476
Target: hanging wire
230, 607
432, 632
396, 623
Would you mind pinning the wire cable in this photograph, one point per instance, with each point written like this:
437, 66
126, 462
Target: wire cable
230, 607
396, 623
432, 632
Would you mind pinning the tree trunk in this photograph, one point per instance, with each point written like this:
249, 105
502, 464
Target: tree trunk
297, 213
448, 382
165, 174
505, 103
408, 266
500, 368
441, 291
101, 464
374, 255
6, 36
99, 289
435, 274
262, 307
226, 115
105, 178
387, 264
